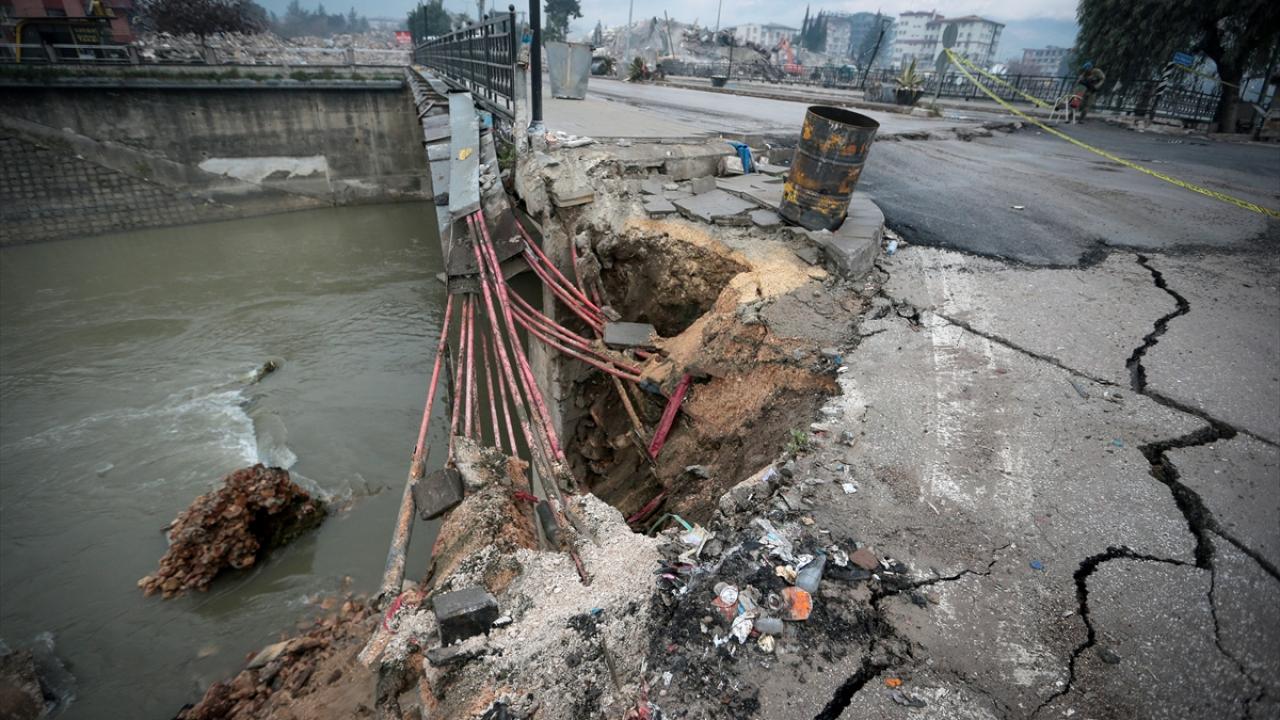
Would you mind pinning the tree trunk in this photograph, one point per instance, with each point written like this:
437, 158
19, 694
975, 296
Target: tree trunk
1228, 102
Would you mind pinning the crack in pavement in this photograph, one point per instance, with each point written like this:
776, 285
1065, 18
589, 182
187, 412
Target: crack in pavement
844, 694
1087, 567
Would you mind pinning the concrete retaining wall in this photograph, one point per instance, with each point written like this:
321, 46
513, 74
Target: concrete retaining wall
213, 151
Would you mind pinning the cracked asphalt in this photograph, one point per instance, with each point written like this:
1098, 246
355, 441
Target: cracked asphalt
1071, 436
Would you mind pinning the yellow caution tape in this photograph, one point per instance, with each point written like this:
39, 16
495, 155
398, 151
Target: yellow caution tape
1245, 204
1206, 76
962, 59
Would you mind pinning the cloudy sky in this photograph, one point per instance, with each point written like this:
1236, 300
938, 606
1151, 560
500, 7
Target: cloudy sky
1030, 23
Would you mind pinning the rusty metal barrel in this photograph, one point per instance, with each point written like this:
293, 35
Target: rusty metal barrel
827, 163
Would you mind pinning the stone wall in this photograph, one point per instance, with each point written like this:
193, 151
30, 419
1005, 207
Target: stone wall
83, 160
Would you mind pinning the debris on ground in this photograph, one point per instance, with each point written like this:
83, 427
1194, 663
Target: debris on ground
256, 509
312, 674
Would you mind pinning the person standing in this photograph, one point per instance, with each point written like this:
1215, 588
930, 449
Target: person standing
1091, 79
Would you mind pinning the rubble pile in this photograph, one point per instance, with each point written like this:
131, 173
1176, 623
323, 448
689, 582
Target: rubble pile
256, 509
313, 674
270, 49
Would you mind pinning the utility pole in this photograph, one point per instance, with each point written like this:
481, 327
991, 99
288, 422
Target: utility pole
479, 11
719, 5
535, 68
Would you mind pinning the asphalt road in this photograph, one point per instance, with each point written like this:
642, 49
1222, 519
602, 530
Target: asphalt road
1034, 198
1025, 196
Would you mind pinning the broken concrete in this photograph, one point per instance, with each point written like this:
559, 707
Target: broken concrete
463, 613
713, 206
438, 493
1219, 355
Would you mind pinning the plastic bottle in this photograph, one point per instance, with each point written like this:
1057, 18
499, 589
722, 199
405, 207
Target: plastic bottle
769, 625
810, 575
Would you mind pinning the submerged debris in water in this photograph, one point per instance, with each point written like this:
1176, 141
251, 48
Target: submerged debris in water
257, 508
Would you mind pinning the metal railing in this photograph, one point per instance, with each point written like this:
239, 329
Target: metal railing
479, 58
1135, 97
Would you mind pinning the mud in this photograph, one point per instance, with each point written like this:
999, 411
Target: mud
256, 509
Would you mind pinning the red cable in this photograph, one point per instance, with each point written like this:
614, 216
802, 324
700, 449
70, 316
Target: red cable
576, 354
669, 416
538, 251
469, 413
490, 389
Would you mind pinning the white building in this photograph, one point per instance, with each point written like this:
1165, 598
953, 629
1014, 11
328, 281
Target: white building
910, 39
976, 38
1044, 61
766, 35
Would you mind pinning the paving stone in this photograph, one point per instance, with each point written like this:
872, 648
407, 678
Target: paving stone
854, 246
709, 206
762, 189
765, 218
653, 185
704, 184
628, 334
464, 613
438, 493
658, 206
771, 169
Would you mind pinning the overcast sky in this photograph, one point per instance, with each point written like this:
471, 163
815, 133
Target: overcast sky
1030, 23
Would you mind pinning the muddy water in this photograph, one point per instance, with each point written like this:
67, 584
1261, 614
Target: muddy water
123, 394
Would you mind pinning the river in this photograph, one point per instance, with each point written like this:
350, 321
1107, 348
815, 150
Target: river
124, 362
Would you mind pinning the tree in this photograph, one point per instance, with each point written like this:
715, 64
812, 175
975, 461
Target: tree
429, 20
1133, 39
597, 35
558, 13
203, 17
814, 36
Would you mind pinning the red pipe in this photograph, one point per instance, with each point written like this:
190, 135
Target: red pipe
559, 332
643, 513
538, 251
502, 397
458, 390
469, 412
575, 307
530, 386
576, 354
669, 416
435, 377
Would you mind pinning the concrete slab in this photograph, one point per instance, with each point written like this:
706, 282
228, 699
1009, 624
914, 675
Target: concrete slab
659, 207
1088, 320
1221, 355
440, 181
708, 207
702, 184
628, 335
764, 190
1155, 655
765, 218
854, 246
464, 167
1238, 481
438, 493
653, 186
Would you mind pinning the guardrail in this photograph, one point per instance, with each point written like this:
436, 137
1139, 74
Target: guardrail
481, 59
42, 53
1128, 97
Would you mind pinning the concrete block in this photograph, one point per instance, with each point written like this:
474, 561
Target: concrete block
570, 189
771, 169
658, 207
704, 184
765, 218
438, 493
653, 185
683, 168
464, 613
628, 335
854, 246
717, 204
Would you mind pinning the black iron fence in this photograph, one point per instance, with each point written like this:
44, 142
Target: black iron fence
1136, 97
480, 58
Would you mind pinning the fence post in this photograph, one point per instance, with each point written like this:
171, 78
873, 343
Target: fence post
535, 66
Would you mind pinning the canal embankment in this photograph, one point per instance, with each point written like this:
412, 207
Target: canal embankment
89, 155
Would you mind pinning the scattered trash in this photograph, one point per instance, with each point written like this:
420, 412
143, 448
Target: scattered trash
728, 594
849, 488
786, 572
909, 700
839, 557
1118, 442
1018, 207
798, 603
893, 247
766, 643
1079, 389
103, 468
564, 139
918, 600
769, 626
742, 628
811, 574
1037, 565
892, 682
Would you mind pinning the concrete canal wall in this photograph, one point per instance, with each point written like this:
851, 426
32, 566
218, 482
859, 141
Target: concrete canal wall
88, 157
